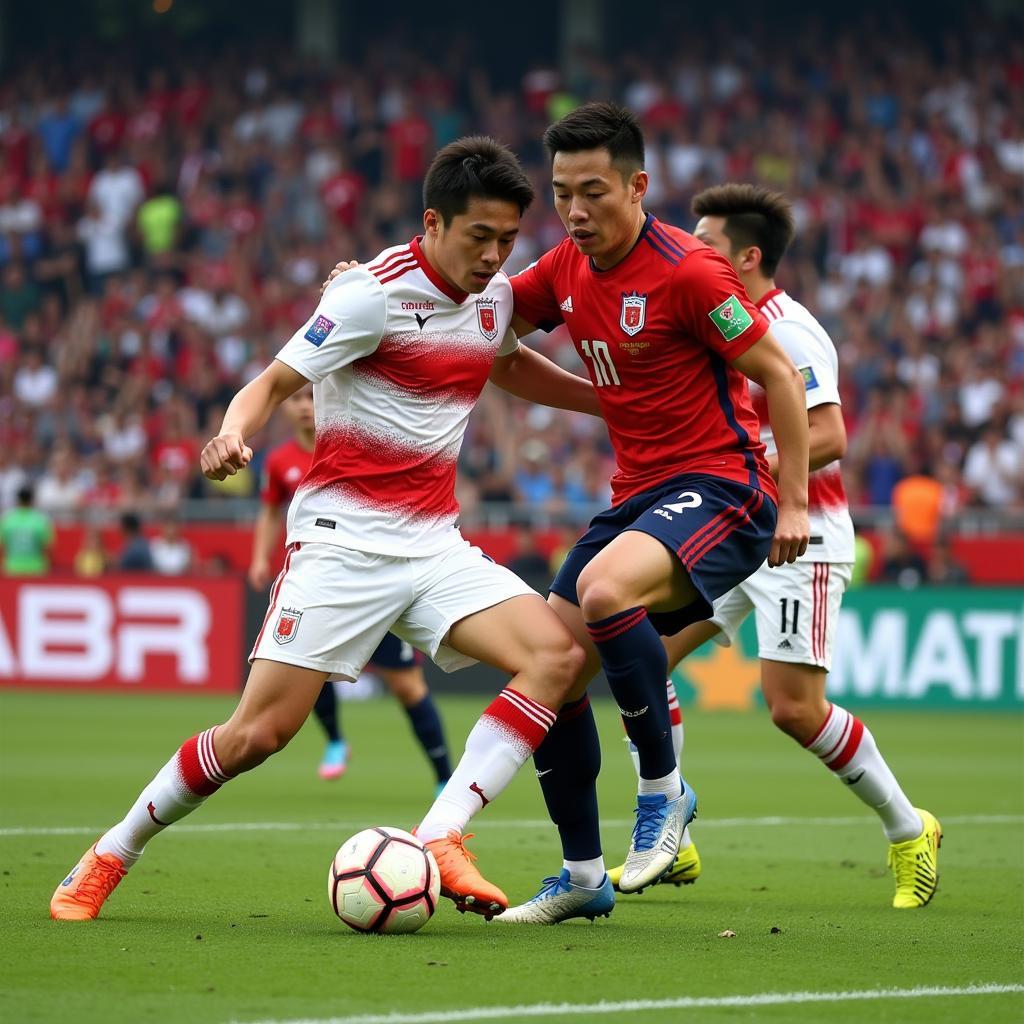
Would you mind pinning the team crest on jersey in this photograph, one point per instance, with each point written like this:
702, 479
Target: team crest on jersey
287, 625
634, 312
487, 318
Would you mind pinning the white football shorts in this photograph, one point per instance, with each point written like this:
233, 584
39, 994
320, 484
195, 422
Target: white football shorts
796, 607
331, 606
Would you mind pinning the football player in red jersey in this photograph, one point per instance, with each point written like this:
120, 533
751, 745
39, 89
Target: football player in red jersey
397, 663
669, 339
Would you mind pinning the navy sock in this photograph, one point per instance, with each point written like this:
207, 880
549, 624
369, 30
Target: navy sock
326, 711
568, 763
635, 664
426, 723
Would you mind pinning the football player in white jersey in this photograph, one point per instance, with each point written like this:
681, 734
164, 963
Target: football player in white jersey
796, 605
398, 352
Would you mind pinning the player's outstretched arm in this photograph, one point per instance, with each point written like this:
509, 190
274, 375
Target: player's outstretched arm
227, 453
766, 363
529, 375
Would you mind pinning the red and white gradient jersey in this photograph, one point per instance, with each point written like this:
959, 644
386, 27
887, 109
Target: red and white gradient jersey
398, 358
807, 343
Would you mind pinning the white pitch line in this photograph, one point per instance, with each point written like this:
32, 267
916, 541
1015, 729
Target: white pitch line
498, 823
643, 1005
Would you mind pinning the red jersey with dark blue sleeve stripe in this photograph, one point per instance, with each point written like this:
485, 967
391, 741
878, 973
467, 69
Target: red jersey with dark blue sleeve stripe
657, 333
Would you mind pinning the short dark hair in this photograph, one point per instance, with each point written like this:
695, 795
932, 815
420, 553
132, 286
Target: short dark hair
600, 126
753, 216
475, 166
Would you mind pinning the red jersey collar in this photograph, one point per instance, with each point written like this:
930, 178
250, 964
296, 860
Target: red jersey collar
434, 277
768, 296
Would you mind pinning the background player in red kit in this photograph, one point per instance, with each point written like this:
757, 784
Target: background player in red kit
397, 663
668, 338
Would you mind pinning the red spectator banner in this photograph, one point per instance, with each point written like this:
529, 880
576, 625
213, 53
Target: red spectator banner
122, 632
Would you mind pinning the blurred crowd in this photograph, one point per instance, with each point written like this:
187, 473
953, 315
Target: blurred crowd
163, 230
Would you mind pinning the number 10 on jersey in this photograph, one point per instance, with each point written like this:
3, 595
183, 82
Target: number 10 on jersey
600, 355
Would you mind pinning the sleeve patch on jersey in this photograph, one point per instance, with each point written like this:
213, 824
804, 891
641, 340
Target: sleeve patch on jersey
810, 381
731, 318
319, 330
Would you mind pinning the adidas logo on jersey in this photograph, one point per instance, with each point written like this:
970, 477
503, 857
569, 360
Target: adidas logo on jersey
785, 645
566, 305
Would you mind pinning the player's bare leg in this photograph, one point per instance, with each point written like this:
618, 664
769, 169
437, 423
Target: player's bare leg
520, 636
633, 575
795, 695
276, 701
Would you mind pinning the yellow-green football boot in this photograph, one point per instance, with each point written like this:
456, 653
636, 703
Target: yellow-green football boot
914, 863
685, 870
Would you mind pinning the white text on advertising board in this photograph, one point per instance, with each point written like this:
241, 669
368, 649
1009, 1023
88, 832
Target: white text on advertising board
969, 655
83, 633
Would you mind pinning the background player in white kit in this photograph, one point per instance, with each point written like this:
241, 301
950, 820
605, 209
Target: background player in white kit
398, 352
796, 605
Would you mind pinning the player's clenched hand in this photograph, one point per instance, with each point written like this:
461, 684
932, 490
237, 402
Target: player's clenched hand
792, 532
224, 456
339, 268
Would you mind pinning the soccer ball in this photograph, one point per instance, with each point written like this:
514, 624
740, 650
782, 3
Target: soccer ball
383, 880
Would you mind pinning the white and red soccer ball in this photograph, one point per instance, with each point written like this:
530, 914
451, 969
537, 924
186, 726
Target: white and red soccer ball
383, 880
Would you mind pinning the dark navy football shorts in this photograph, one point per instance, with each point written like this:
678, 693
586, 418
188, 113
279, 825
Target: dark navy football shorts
395, 653
720, 531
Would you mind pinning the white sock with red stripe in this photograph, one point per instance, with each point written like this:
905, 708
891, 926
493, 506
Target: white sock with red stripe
179, 788
847, 748
507, 734
675, 716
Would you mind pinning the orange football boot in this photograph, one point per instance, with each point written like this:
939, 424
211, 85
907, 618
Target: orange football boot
460, 881
82, 894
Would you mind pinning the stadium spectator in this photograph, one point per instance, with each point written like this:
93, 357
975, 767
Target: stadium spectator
943, 569
170, 551
169, 224
91, 558
59, 490
527, 561
135, 555
901, 564
994, 469
26, 536
13, 477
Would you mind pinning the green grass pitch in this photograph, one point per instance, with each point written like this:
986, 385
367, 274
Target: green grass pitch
219, 923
